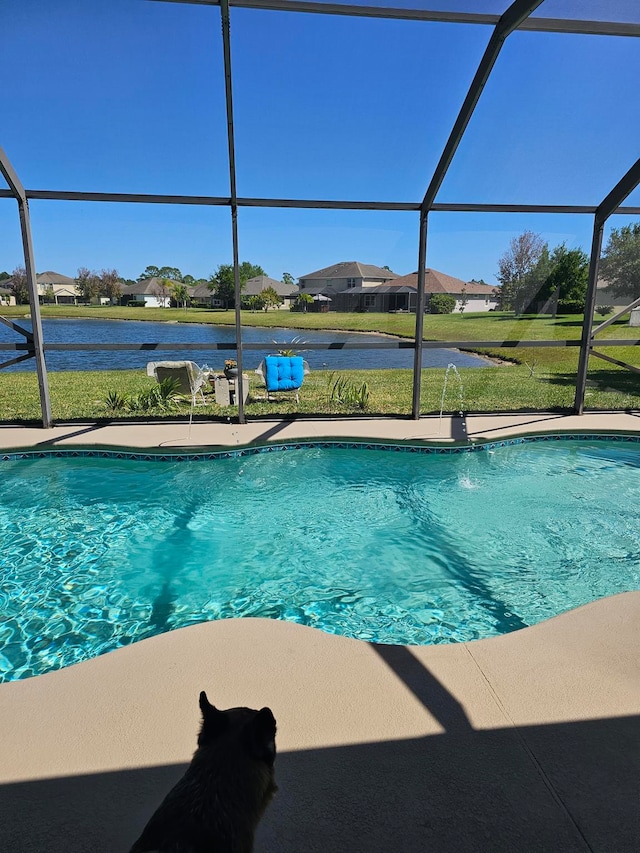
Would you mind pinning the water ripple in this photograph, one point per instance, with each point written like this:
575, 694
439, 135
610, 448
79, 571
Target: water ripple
392, 548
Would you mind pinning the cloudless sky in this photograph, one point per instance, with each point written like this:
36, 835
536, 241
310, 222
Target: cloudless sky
128, 96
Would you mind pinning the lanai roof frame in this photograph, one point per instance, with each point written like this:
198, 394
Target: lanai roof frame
518, 16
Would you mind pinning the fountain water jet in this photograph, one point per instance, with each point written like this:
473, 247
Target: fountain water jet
451, 366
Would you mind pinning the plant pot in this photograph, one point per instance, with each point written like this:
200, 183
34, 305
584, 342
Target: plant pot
231, 372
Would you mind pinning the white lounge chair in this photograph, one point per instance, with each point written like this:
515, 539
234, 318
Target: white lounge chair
190, 378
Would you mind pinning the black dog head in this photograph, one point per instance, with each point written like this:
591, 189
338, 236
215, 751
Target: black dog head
256, 730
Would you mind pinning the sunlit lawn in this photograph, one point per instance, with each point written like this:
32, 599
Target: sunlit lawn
82, 395
536, 379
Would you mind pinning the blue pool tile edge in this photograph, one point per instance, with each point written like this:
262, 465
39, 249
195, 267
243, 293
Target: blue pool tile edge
328, 443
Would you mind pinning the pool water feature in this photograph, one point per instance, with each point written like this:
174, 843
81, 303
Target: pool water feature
420, 546
451, 367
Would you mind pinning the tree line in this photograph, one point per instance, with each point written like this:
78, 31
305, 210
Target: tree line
171, 284
537, 279
221, 283
533, 277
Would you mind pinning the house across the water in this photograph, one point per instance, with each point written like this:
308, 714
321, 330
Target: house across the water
352, 286
58, 288
149, 292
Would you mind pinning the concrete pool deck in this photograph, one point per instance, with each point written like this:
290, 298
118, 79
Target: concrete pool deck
215, 434
525, 742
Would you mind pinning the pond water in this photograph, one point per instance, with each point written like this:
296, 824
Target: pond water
139, 331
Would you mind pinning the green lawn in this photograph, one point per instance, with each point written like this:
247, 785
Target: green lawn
535, 379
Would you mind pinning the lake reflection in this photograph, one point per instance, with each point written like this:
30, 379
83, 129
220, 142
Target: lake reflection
138, 331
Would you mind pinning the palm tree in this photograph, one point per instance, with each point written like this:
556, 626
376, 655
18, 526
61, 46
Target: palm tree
181, 295
304, 300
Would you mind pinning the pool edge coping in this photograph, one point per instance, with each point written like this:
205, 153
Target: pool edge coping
251, 448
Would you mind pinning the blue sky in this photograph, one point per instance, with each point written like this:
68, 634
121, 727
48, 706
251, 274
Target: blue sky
128, 96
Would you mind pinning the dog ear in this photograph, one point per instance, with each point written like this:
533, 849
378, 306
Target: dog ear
214, 722
204, 703
262, 736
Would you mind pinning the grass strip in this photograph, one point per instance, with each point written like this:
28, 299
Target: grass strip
533, 379
79, 395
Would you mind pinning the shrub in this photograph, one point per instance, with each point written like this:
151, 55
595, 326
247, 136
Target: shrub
166, 393
141, 402
344, 392
603, 310
570, 307
442, 303
115, 402
163, 396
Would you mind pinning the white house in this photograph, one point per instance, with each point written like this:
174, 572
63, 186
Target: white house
150, 292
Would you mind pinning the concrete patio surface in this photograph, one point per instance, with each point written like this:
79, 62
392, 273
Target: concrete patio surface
173, 436
525, 742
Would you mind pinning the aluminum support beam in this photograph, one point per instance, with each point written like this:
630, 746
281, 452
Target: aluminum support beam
13, 361
141, 198
36, 320
16, 328
452, 207
615, 317
611, 360
420, 305
589, 305
161, 346
512, 18
226, 48
625, 185
315, 204
544, 25
16, 190
32, 286
604, 210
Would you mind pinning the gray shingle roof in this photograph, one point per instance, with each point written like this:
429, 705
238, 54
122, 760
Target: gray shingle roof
150, 286
379, 288
351, 269
201, 291
50, 278
439, 282
255, 286
317, 287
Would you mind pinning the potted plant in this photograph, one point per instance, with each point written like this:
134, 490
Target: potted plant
288, 351
231, 368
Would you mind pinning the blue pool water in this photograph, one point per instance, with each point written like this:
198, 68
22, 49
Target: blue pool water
395, 547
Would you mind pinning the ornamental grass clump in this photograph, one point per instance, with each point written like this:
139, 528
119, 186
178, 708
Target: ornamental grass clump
344, 392
115, 402
163, 397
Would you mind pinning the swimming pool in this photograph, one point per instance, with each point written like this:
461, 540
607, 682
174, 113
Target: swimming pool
394, 544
